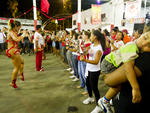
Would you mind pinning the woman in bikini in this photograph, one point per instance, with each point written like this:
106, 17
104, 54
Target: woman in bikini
13, 52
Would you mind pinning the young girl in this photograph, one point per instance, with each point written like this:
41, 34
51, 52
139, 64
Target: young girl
13, 52
108, 47
118, 42
93, 67
123, 57
83, 45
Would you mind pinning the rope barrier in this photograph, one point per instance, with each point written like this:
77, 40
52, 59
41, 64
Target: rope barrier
59, 19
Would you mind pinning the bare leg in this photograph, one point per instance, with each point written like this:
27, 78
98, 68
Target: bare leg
112, 92
21, 69
114, 80
119, 76
16, 61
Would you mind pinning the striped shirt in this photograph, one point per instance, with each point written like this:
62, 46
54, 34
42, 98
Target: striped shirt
124, 54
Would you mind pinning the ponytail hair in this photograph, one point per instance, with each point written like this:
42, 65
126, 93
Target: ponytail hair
13, 23
101, 38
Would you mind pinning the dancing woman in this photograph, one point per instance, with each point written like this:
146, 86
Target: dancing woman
13, 52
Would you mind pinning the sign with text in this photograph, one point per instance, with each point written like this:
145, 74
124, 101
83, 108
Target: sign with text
133, 9
96, 14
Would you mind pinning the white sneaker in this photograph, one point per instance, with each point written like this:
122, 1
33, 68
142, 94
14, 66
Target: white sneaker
111, 102
72, 72
88, 100
104, 106
69, 69
97, 109
76, 79
73, 76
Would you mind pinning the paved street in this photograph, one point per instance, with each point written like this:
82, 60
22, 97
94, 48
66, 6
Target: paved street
51, 91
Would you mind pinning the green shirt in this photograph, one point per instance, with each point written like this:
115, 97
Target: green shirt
124, 54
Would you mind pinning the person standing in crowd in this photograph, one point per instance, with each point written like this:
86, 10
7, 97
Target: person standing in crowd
57, 47
118, 42
137, 34
86, 37
73, 48
2, 41
68, 52
48, 43
13, 52
93, 67
126, 38
114, 33
108, 47
53, 37
26, 43
125, 56
65, 35
31, 42
38, 47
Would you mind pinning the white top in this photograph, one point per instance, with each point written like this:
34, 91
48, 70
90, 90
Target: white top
2, 39
118, 44
38, 36
92, 53
124, 54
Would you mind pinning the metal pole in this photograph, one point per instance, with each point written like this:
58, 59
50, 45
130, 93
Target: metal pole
145, 7
34, 14
79, 15
63, 14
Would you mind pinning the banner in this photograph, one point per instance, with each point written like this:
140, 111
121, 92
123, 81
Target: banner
45, 6
133, 9
134, 20
96, 14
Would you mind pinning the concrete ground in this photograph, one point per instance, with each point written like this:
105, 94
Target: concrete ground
51, 91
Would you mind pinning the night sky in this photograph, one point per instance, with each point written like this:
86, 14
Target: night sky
55, 8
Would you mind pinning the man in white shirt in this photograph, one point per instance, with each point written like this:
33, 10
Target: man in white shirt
38, 47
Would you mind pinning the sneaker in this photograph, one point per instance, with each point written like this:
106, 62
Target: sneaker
88, 100
73, 76
69, 69
111, 102
97, 109
76, 79
42, 69
72, 72
105, 106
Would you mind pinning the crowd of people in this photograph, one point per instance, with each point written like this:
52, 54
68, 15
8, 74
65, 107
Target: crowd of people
88, 54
